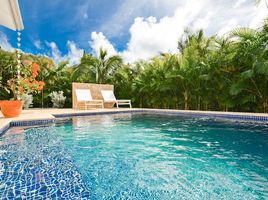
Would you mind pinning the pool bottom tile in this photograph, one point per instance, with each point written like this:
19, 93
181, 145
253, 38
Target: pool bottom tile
38, 168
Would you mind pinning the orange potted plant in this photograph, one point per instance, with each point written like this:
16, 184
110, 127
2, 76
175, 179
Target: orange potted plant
25, 83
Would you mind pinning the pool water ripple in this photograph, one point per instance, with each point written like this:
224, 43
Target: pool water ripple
133, 156
147, 157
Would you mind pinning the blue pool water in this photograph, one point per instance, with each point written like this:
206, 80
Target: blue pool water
134, 156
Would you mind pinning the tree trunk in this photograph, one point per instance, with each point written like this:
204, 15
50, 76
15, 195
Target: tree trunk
177, 103
265, 105
198, 103
185, 94
97, 77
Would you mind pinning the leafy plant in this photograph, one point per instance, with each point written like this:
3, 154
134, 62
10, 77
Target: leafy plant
27, 100
26, 82
225, 73
58, 99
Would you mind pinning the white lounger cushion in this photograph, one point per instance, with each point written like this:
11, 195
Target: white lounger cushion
83, 95
108, 95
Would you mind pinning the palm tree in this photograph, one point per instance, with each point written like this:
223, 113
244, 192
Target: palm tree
192, 65
105, 65
122, 80
98, 69
251, 82
84, 72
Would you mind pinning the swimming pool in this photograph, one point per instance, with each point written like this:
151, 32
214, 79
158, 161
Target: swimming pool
136, 156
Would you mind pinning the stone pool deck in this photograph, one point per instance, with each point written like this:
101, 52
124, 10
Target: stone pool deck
49, 115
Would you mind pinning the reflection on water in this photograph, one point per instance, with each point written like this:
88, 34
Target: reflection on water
134, 156
13, 136
105, 120
149, 157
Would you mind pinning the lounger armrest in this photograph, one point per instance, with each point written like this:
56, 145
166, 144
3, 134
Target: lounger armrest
123, 100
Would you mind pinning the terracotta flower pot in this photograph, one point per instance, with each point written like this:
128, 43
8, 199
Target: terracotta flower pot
11, 108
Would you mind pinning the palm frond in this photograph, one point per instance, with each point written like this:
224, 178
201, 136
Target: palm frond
244, 33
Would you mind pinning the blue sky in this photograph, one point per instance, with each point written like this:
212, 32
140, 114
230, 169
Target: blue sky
61, 29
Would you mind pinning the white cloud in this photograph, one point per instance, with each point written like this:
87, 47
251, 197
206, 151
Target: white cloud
73, 56
4, 43
203, 22
230, 25
98, 40
150, 36
130, 9
239, 3
38, 44
259, 14
55, 52
74, 53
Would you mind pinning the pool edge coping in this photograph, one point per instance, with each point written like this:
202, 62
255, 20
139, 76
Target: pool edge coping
261, 117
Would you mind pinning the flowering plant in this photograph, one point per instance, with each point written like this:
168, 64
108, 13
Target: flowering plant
26, 82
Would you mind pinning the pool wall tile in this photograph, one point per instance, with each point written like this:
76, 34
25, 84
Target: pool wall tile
97, 113
142, 111
4, 129
32, 122
216, 115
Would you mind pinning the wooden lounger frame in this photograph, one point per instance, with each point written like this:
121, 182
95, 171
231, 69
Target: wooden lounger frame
95, 90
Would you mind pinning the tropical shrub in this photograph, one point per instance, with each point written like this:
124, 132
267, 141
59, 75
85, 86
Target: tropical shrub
58, 99
26, 82
222, 73
27, 100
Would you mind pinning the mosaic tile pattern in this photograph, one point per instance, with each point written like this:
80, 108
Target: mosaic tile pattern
210, 115
140, 111
165, 112
169, 157
32, 122
98, 113
4, 129
71, 161
35, 165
